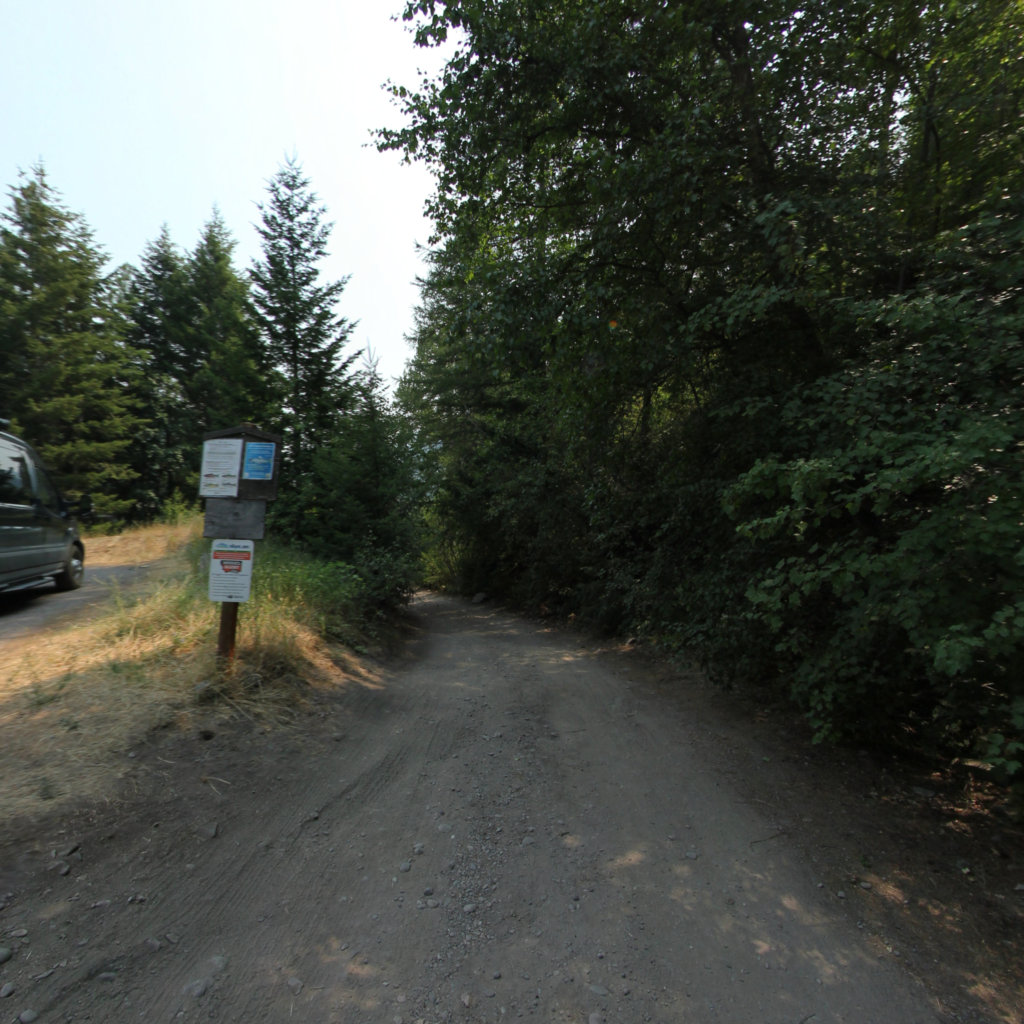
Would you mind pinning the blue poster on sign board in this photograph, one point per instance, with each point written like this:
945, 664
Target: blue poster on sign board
259, 461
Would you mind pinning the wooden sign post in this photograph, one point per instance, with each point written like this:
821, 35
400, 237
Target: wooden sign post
238, 477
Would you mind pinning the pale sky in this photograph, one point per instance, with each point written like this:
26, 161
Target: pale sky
145, 113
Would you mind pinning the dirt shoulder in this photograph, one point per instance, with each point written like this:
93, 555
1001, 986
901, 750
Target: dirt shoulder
507, 821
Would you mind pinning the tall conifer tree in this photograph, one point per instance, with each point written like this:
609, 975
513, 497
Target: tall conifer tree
67, 374
158, 313
192, 316
303, 332
231, 380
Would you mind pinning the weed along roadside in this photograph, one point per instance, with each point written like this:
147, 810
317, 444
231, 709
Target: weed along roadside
238, 476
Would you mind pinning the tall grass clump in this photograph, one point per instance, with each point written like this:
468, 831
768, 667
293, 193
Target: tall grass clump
157, 640
327, 596
298, 607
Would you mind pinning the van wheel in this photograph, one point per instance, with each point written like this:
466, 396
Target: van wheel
71, 576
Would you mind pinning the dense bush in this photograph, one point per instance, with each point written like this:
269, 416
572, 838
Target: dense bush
358, 501
898, 600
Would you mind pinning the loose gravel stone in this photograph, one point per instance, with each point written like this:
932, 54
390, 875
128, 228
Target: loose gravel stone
197, 988
6, 990
5, 954
27, 1016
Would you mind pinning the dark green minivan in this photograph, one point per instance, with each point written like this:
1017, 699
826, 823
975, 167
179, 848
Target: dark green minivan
39, 539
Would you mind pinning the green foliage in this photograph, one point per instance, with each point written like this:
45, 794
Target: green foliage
205, 364
178, 509
900, 584
297, 315
67, 374
328, 594
229, 379
357, 502
721, 340
158, 313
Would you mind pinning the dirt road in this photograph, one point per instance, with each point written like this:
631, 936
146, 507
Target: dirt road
508, 825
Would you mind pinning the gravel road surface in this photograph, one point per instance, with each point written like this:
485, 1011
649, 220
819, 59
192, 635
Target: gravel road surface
507, 825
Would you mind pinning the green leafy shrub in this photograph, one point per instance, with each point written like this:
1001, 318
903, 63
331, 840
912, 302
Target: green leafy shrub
898, 600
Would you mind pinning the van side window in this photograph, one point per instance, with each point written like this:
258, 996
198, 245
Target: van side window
42, 487
15, 483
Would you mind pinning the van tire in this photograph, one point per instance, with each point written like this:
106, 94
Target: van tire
71, 576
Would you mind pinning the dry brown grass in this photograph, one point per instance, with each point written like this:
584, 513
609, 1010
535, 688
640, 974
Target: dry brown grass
78, 696
141, 546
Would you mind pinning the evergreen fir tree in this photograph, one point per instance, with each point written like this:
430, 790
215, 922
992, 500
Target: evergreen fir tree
361, 504
192, 316
158, 309
67, 374
230, 379
303, 333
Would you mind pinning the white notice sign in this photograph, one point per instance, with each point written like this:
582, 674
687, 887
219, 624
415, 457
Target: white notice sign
231, 570
222, 464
